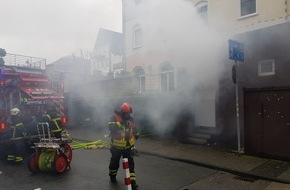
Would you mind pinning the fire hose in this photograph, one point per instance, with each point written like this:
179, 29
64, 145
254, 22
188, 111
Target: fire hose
98, 144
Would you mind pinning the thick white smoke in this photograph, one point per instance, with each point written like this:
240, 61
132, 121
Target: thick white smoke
196, 53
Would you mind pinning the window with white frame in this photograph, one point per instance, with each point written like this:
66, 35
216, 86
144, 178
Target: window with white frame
137, 36
266, 67
248, 7
201, 9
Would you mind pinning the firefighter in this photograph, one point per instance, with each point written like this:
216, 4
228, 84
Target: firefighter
123, 133
16, 133
53, 119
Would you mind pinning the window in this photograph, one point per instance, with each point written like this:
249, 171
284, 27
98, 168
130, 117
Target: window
137, 36
248, 7
139, 71
166, 77
266, 67
201, 9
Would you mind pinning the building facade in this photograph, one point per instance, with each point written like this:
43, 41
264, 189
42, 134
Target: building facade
263, 28
107, 54
161, 48
182, 45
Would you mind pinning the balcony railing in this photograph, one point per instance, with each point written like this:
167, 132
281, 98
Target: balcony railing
24, 61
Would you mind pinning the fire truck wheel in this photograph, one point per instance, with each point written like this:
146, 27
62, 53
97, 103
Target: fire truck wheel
67, 151
32, 163
60, 163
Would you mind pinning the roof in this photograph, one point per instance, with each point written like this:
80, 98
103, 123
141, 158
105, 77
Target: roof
108, 37
72, 64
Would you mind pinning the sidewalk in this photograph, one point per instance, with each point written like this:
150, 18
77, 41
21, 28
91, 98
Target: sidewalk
209, 156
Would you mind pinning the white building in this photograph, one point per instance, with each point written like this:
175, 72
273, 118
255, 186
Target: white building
107, 54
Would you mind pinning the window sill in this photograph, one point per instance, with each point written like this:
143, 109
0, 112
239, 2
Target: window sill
247, 16
136, 47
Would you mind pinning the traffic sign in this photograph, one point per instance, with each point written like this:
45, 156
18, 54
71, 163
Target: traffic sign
236, 50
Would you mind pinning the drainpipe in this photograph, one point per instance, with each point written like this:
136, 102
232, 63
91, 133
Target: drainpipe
286, 10
124, 35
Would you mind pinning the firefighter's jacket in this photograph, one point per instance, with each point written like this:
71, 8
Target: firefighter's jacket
122, 132
17, 128
53, 121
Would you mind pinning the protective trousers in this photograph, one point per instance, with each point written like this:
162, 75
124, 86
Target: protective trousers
115, 161
16, 151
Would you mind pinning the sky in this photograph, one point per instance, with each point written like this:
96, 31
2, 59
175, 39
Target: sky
52, 29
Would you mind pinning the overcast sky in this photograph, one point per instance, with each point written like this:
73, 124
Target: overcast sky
52, 29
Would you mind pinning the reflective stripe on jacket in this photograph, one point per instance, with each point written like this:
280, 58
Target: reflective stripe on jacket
121, 136
17, 131
56, 123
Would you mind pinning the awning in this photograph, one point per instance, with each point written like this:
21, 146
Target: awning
41, 93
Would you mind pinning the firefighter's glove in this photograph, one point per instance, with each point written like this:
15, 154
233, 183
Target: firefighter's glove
134, 152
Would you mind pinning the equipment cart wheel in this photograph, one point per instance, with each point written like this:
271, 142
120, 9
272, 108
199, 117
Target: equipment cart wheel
60, 163
66, 149
32, 163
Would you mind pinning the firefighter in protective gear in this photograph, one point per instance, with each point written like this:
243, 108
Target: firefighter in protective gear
123, 133
16, 137
54, 121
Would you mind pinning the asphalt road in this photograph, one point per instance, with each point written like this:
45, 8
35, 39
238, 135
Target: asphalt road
89, 171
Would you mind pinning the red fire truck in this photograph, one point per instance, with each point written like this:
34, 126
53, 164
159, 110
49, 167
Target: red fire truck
25, 84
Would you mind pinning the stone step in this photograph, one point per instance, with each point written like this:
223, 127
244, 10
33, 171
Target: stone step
200, 135
197, 140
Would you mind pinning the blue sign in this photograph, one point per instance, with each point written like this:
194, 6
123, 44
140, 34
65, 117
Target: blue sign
1, 75
236, 51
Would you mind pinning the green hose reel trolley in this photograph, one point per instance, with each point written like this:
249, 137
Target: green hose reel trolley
51, 154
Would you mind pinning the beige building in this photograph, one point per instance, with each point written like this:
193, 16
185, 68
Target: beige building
232, 17
165, 47
175, 45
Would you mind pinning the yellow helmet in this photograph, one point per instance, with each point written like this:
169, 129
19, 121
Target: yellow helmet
14, 111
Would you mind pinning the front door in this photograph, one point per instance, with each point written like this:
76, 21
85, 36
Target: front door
267, 123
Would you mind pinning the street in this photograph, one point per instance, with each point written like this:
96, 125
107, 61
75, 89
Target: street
89, 170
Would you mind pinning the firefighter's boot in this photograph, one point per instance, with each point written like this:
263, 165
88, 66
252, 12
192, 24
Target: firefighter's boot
113, 175
134, 185
113, 178
18, 159
10, 158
